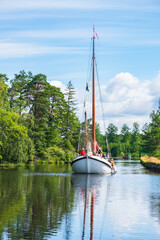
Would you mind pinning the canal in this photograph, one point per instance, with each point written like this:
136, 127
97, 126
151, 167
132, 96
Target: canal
49, 202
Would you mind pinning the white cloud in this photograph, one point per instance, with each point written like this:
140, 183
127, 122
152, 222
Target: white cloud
155, 86
50, 4
69, 77
126, 99
61, 33
146, 5
126, 94
126, 35
58, 84
20, 50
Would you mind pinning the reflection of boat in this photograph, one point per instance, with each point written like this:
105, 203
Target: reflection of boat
88, 186
87, 181
91, 162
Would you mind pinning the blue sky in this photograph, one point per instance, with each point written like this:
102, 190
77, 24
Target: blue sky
53, 37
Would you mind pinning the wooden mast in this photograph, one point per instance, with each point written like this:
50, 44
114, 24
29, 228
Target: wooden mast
86, 135
93, 99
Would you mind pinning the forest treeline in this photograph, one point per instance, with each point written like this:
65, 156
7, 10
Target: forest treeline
38, 121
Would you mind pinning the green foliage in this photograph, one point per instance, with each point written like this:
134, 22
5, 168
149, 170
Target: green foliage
126, 142
151, 134
42, 118
3, 92
18, 91
100, 138
125, 139
112, 131
46, 124
136, 143
15, 145
55, 154
122, 154
71, 123
68, 145
47, 115
136, 140
38, 119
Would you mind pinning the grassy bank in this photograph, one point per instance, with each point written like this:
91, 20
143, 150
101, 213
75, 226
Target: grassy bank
151, 163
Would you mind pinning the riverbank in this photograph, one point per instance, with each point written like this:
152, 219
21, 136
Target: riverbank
151, 163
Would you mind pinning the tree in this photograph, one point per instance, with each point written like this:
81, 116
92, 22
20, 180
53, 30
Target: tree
100, 138
151, 134
125, 140
18, 91
3, 91
15, 145
112, 132
113, 138
47, 116
136, 140
56, 116
71, 125
38, 100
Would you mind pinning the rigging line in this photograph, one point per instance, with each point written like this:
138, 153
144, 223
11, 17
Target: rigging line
80, 130
88, 71
108, 148
100, 98
90, 95
85, 95
89, 59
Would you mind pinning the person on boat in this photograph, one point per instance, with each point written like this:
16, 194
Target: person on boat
82, 152
100, 151
112, 163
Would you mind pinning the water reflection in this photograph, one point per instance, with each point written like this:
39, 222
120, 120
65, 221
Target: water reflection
48, 202
90, 191
120, 206
32, 206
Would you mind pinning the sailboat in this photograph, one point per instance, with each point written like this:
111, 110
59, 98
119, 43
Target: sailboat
91, 162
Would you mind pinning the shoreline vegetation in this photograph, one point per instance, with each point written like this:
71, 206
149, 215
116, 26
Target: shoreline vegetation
151, 163
39, 123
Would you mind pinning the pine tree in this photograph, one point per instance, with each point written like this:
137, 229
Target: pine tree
151, 134
38, 103
71, 125
136, 140
17, 92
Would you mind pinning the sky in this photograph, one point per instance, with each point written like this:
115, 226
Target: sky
53, 37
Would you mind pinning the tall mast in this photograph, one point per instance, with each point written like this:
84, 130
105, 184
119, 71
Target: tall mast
93, 98
86, 137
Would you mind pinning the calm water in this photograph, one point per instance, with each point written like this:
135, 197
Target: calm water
47, 202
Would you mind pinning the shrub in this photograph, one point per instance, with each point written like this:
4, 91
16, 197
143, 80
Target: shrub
122, 154
55, 154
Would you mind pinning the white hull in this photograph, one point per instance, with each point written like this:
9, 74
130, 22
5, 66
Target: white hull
91, 164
